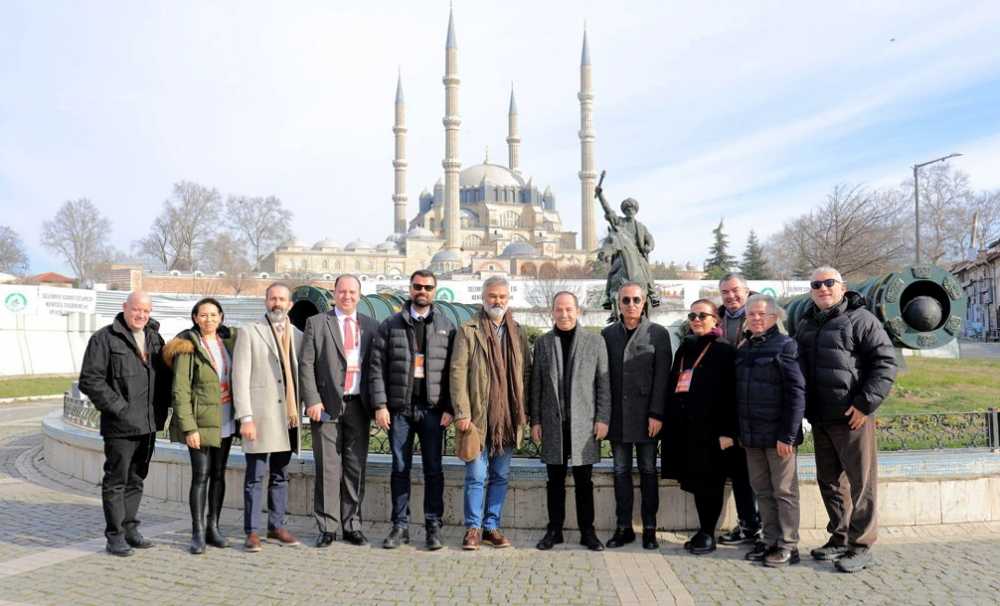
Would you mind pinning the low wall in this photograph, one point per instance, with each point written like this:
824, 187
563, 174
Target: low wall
926, 487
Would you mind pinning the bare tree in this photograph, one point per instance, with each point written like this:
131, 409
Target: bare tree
262, 222
183, 227
946, 199
225, 253
78, 233
13, 258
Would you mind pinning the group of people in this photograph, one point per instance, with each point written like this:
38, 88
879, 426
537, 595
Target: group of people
728, 404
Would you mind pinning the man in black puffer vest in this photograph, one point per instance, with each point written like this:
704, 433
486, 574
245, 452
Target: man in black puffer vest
409, 390
849, 364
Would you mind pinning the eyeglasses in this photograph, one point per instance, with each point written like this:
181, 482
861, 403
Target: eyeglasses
699, 316
631, 300
829, 282
426, 287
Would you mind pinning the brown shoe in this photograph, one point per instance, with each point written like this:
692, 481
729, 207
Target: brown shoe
472, 540
252, 544
283, 537
496, 538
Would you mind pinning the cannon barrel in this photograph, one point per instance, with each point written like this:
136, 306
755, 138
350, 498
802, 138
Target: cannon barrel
308, 301
921, 307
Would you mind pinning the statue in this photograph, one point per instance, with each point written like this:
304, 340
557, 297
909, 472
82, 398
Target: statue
626, 249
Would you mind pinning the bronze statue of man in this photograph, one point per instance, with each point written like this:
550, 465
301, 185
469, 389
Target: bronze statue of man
626, 249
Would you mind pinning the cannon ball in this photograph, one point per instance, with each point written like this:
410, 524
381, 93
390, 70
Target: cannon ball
923, 313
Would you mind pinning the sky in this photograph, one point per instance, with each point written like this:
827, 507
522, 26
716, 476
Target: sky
747, 112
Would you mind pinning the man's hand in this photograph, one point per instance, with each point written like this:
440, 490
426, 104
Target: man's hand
193, 440
784, 450
248, 431
536, 434
382, 418
655, 426
446, 419
463, 424
315, 412
725, 442
600, 430
857, 419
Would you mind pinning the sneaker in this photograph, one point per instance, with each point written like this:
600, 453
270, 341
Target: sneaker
829, 551
397, 536
473, 538
495, 538
855, 560
758, 552
739, 536
779, 557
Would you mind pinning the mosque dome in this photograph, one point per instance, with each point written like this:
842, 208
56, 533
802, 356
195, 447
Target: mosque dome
501, 176
358, 245
294, 243
387, 246
446, 256
325, 243
419, 233
518, 249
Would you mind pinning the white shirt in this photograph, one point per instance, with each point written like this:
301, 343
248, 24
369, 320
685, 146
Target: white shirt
227, 426
356, 388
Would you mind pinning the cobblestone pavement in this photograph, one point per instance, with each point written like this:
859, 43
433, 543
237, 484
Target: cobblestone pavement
51, 552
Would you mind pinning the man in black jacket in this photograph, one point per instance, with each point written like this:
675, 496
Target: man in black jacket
849, 365
124, 377
409, 390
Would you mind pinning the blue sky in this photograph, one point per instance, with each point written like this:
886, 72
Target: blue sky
747, 111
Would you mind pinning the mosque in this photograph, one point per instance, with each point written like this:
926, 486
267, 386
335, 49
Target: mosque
486, 218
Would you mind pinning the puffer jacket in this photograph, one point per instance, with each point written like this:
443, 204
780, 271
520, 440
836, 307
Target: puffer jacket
770, 391
133, 395
847, 360
390, 369
197, 395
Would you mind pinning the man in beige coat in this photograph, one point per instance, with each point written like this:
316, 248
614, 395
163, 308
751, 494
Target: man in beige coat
266, 400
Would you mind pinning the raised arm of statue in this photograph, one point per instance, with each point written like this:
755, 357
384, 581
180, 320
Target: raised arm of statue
609, 214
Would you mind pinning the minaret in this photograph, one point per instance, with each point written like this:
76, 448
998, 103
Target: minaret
451, 121
399, 162
513, 136
588, 174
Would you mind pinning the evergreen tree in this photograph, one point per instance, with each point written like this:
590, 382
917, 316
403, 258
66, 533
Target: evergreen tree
754, 264
719, 262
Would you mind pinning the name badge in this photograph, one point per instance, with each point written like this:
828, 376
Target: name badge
684, 381
353, 363
418, 366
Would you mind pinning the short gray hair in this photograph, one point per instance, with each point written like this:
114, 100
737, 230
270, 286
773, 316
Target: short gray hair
632, 284
825, 269
770, 302
734, 275
495, 281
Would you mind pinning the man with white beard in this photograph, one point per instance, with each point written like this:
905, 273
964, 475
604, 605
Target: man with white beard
491, 365
268, 410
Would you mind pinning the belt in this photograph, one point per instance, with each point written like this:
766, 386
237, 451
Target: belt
352, 398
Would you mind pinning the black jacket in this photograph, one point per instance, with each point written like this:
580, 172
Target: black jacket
638, 371
847, 360
770, 391
695, 420
391, 365
133, 395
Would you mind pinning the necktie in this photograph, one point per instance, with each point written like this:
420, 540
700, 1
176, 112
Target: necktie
350, 343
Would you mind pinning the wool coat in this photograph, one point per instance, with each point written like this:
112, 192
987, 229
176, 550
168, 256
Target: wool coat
197, 395
588, 400
638, 370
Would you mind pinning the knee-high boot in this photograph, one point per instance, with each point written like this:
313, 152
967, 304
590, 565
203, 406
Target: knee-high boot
199, 482
216, 494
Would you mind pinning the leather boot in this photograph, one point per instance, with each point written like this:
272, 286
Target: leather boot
213, 535
197, 518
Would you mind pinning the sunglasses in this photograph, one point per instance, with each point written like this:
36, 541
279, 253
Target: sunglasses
631, 300
699, 316
425, 287
829, 282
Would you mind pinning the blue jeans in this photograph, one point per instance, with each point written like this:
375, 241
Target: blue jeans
401, 433
476, 488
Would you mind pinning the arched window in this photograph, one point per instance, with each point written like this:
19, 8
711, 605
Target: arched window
472, 242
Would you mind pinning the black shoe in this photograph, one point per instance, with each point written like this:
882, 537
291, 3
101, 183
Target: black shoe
325, 539
433, 540
119, 548
829, 551
622, 536
758, 552
701, 543
138, 541
649, 539
355, 537
397, 536
779, 557
855, 560
588, 538
214, 537
739, 536
553, 538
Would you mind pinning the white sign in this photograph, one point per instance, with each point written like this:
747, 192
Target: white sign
46, 300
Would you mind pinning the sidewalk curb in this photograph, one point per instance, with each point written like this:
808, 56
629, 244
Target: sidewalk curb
30, 398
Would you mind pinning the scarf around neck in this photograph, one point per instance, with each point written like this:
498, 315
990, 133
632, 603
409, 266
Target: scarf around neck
505, 406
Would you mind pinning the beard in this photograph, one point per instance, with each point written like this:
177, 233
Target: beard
496, 312
277, 315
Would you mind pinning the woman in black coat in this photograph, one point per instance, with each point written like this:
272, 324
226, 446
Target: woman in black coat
700, 419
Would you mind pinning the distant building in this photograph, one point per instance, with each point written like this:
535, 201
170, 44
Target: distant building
50, 278
978, 278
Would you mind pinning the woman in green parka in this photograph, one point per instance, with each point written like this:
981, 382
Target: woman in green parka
202, 361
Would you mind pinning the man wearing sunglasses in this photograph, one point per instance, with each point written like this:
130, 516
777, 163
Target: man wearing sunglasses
409, 390
849, 365
639, 359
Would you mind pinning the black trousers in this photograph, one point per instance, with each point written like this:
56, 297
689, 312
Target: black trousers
208, 472
708, 503
734, 462
555, 490
126, 463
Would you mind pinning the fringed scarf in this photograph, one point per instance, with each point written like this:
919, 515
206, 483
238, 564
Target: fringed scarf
505, 407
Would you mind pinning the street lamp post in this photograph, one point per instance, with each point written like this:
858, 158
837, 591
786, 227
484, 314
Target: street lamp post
916, 197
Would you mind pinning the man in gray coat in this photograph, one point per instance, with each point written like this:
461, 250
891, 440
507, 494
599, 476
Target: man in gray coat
266, 401
333, 376
569, 409
639, 358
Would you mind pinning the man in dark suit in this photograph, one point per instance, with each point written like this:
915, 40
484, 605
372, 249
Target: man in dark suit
334, 383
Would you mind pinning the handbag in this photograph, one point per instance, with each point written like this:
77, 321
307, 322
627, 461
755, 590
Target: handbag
468, 444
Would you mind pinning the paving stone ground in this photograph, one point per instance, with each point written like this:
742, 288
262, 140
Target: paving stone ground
51, 552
